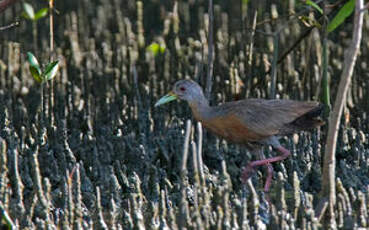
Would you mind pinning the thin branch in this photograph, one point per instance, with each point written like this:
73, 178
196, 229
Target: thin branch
51, 26
185, 148
295, 44
14, 24
199, 153
184, 211
328, 180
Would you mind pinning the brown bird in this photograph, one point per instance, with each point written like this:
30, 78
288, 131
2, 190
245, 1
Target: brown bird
250, 122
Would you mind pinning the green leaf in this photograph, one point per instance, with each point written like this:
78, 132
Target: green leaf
51, 70
41, 13
35, 74
341, 16
162, 49
32, 60
34, 67
28, 9
156, 48
314, 5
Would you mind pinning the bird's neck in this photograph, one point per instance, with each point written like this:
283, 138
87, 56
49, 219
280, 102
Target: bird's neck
200, 109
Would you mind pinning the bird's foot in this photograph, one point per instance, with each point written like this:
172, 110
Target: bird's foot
247, 173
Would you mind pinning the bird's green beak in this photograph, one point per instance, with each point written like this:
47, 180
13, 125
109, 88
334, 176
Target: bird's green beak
167, 98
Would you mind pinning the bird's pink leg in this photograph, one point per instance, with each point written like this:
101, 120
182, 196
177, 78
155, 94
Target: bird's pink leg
247, 171
269, 178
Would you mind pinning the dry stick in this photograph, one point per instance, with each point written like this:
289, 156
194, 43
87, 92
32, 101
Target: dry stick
183, 212
185, 149
195, 163
199, 154
51, 19
328, 179
210, 51
197, 188
204, 194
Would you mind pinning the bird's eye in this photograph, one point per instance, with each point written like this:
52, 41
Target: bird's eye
182, 89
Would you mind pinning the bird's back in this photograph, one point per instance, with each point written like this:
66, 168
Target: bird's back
254, 120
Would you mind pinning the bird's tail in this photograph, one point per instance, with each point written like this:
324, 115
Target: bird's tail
311, 119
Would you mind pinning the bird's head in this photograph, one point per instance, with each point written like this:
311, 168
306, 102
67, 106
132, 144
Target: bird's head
187, 90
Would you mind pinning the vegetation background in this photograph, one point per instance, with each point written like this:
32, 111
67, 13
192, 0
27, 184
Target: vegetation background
89, 150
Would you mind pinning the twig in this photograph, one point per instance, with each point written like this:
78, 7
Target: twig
199, 153
14, 24
296, 43
51, 27
184, 212
328, 180
185, 148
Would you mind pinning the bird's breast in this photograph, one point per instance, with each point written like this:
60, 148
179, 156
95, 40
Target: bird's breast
231, 129
228, 126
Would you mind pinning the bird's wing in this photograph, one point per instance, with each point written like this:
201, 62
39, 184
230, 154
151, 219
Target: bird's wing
266, 117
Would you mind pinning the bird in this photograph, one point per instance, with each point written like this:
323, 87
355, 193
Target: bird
253, 123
